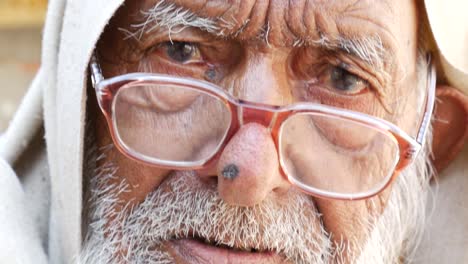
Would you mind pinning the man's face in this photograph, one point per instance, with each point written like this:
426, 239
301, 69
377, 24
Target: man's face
266, 52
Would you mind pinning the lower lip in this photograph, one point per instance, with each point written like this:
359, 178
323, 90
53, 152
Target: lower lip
194, 251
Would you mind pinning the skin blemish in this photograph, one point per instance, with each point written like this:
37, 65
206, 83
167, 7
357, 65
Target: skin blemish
210, 74
230, 172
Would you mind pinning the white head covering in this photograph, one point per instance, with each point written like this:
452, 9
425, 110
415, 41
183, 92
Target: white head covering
448, 20
56, 101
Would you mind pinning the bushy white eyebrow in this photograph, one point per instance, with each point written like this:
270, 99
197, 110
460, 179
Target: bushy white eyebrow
369, 49
172, 17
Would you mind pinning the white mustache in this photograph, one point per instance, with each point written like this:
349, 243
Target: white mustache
185, 207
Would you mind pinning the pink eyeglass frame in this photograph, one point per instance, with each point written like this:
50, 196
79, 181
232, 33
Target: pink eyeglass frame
270, 116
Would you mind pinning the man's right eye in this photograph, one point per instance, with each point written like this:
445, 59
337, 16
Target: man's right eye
182, 52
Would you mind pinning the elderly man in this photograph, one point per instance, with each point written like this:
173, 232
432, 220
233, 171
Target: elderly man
231, 132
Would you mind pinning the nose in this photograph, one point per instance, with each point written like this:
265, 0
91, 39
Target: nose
248, 169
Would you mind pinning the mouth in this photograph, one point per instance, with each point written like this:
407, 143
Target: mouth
201, 250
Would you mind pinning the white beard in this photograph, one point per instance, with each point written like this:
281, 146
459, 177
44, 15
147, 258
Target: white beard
398, 232
192, 205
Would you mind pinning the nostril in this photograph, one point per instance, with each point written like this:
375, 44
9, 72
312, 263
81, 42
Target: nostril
280, 190
210, 181
230, 171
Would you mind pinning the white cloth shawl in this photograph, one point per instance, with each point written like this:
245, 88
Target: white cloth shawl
57, 95
41, 223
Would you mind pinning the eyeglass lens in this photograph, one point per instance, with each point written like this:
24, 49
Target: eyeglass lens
336, 155
170, 122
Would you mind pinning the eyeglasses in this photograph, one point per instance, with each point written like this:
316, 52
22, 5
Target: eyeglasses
325, 151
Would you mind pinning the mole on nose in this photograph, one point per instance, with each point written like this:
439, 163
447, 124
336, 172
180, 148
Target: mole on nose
230, 171
248, 168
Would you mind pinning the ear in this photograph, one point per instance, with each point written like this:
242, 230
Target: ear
450, 125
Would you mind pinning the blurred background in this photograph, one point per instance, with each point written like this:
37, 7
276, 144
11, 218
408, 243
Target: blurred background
21, 24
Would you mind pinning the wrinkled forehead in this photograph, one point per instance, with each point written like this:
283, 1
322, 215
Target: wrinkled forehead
288, 23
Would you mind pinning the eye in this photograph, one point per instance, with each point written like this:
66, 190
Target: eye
341, 80
182, 52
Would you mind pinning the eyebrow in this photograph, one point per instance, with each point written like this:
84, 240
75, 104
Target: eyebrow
369, 49
174, 18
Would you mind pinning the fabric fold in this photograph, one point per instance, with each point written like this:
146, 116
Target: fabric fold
19, 240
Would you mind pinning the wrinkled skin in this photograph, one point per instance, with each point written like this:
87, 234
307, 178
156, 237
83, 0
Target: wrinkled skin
266, 72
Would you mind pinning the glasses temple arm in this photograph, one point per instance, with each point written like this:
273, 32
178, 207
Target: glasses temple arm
431, 83
96, 72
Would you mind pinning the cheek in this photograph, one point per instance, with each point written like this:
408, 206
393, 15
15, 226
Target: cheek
412, 112
351, 221
141, 178
407, 102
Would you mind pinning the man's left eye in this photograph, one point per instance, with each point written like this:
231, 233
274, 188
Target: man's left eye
341, 80
182, 52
